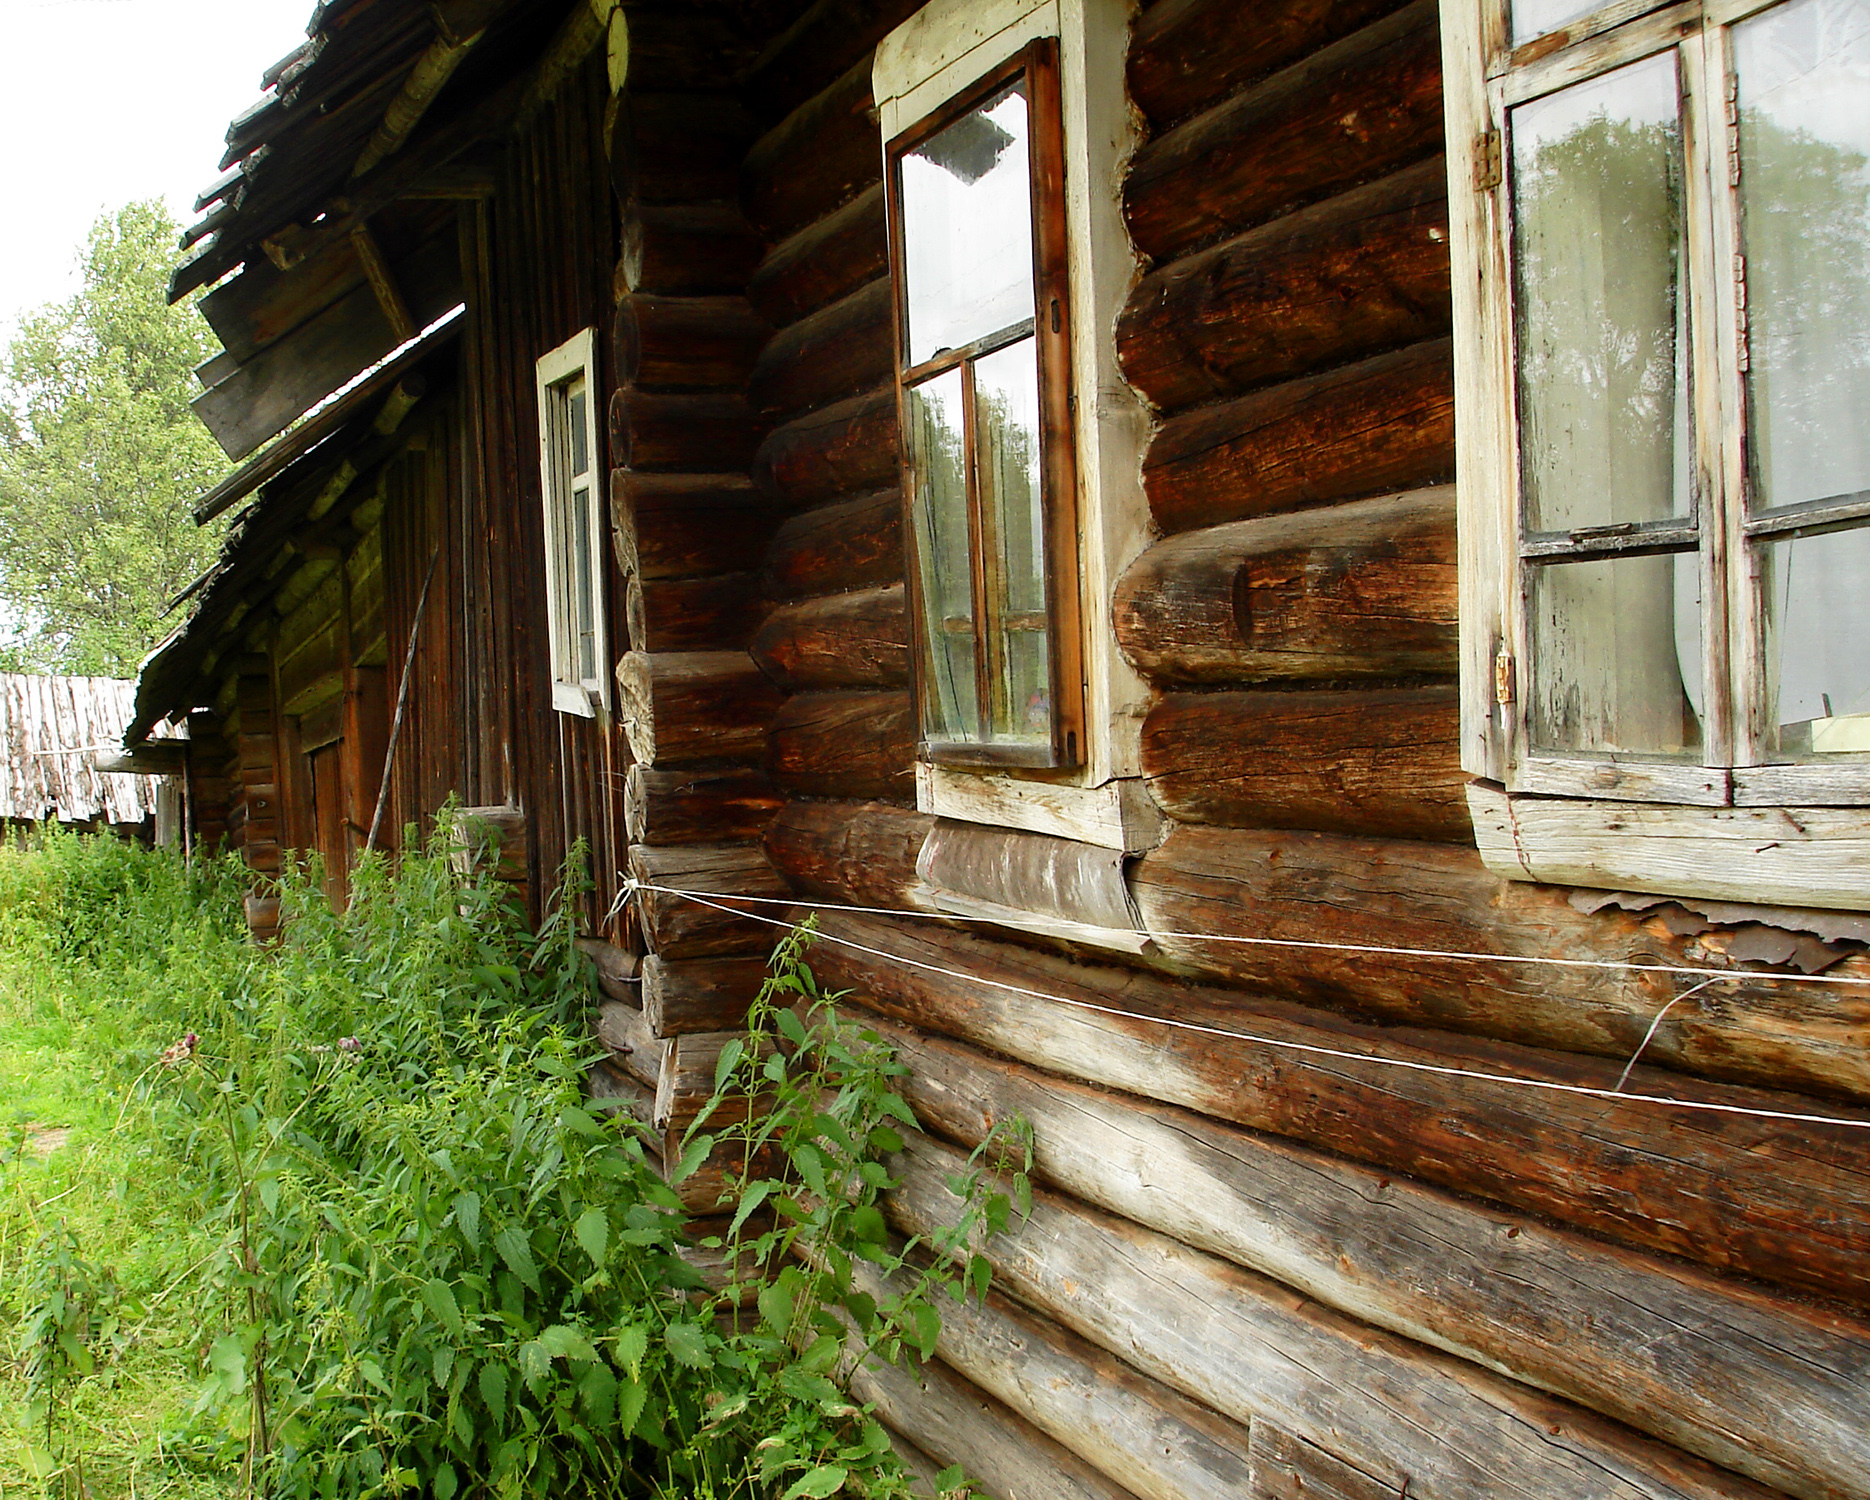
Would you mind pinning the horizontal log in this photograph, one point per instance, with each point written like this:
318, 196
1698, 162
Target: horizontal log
686, 706
1365, 589
699, 434
697, 807
1189, 54
691, 614
817, 159
686, 250
1774, 1200
1349, 277
687, 525
686, 343
1248, 1348
858, 853
687, 1081
1137, 1431
824, 261
850, 544
614, 1091
1362, 107
1368, 893
954, 1421
847, 448
634, 1049
685, 996
1283, 1467
1760, 1384
680, 147
616, 968
860, 639
845, 744
840, 350
1383, 424
1384, 762
685, 48
682, 927
815, 50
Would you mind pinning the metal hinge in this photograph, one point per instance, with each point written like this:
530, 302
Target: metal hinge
1503, 684
1487, 161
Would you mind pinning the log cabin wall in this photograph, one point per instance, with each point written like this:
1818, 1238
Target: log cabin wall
1254, 1269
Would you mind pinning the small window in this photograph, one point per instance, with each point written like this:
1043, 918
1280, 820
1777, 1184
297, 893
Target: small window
574, 526
1665, 487
978, 246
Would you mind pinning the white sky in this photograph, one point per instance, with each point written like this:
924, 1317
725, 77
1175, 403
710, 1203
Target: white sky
105, 101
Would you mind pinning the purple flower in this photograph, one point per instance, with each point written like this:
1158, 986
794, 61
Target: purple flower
350, 1044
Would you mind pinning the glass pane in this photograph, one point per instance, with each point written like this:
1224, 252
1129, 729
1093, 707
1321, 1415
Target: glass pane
1817, 608
1006, 426
950, 708
585, 607
1803, 74
580, 441
1536, 18
1601, 327
1617, 656
967, 227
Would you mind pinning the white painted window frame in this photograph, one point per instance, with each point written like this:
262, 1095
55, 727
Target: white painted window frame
554, 375
1734, 829
938, 53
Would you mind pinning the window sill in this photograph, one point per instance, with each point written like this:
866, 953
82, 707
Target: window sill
1781, 856
1118, 814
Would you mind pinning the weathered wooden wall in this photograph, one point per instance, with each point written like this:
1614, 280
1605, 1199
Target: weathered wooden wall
1272, 1273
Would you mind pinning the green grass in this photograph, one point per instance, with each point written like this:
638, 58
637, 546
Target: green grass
79, 1148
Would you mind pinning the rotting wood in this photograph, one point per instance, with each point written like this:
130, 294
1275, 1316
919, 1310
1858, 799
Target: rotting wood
687, 525
1253, 1350
613, 1091
854, 640
850, 544
1340, 280
1383, 424
686, 706
848, 448
678, 927
1137, 1431
855, 853
1189, 54
817, 159
1382, 762
1361, 590
1761, 1384
686, 250
823, 262
845, 744
954, 1420
1778, 1200
683, 996
845, 347
686, 343
687, 1081
663, 806
691, 614
633, 1047
1366, 105
693, 433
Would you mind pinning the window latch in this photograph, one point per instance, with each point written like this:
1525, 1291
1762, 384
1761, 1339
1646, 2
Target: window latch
1503, 684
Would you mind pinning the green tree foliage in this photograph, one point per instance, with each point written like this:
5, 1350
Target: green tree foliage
101, 459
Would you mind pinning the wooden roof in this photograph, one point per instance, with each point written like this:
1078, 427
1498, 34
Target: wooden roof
52, 729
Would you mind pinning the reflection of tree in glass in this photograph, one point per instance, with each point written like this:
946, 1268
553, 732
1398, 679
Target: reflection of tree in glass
943, 556
1599, 230
1010, 473
1807, 233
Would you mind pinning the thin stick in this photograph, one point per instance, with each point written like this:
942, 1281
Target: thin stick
402, 702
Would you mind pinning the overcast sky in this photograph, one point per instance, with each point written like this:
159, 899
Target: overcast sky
105, 101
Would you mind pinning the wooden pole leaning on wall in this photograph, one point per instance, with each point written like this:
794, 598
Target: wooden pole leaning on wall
402, 704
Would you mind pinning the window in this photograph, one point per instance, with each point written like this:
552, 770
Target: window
976, 205
1663, 215
574, 526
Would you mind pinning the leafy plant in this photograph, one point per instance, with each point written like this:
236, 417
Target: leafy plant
72, 1307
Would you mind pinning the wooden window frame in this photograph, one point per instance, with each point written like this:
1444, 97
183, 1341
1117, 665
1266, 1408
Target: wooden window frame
1694, 808
571, 361
1051, 331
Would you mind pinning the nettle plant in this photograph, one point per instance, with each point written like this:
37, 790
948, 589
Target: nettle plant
446, 1273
